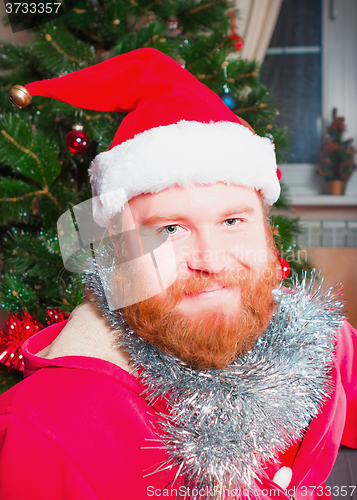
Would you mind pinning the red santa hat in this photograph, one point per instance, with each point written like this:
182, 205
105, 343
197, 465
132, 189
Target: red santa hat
176, 132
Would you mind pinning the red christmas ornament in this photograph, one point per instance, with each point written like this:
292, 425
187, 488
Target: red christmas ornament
239, 45
234, 35
77, 141
279, 173
18, 328
285, 268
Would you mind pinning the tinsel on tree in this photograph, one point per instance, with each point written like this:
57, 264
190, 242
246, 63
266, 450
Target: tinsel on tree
41, 177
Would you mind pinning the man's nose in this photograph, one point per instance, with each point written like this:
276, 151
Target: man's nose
206, 254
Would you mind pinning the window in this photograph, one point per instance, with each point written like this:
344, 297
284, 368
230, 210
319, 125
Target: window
293, 74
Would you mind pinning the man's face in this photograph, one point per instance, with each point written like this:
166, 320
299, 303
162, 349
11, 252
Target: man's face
224, 264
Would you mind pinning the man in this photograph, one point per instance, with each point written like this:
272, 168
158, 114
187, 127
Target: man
186, 372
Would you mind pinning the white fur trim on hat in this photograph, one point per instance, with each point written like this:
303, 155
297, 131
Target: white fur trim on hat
183, 154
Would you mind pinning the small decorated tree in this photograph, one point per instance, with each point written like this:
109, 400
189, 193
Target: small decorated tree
336, 159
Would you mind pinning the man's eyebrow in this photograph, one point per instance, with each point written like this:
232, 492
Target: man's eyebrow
242, 209
156, 219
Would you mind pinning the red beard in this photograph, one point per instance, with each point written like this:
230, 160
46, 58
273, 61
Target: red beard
213, 338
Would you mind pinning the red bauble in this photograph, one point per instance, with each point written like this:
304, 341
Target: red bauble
285, 268
239, 45
234, 35
279, 173
238, 41
77, 141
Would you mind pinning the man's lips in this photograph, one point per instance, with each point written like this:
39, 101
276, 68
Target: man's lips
209, 293
213, 288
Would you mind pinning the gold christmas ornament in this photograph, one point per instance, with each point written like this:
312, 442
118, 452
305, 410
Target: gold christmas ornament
20, 96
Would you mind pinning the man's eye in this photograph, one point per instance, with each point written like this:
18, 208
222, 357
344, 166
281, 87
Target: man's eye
231, 222
171, 229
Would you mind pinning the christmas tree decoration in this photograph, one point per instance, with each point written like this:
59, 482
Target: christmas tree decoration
17, 329
285, 268
228, 98
77, 141
173, 26
238, 40
55, 315
239, 44
137, 23
20, 96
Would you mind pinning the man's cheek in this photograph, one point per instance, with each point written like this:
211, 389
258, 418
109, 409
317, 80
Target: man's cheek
181, 259
252, 256
165, 262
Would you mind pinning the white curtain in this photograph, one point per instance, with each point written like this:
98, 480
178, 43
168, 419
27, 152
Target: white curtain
256, 25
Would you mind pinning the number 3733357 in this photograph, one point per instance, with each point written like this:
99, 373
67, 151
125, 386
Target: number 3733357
32, 8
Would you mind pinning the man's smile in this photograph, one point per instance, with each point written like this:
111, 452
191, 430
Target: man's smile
213, 292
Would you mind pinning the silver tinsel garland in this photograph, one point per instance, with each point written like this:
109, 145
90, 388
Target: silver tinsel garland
224, 425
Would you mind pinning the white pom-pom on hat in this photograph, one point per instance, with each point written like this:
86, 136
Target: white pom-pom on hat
283, 477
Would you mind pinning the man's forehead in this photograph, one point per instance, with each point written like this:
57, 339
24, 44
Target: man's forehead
178, 201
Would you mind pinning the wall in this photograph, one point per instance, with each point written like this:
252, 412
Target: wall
339, 265
6, 34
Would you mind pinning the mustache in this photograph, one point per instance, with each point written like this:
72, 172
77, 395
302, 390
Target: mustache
200, 282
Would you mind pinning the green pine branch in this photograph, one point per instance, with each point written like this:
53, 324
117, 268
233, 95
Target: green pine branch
59, 51
13, 55
28, 152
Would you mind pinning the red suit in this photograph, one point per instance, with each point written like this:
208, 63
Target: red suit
77, 428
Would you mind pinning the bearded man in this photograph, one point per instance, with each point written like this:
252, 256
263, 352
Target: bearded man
187, 371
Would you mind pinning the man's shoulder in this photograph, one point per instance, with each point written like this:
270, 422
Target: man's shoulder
86, 333
71, 406
82, 423
71, 378
59, 396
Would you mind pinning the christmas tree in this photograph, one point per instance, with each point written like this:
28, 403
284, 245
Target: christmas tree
44, 162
